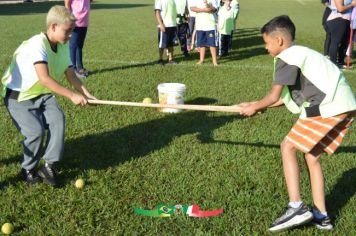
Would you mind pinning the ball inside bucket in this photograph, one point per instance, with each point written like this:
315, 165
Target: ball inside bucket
171, 93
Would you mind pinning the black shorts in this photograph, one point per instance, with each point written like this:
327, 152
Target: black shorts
166, 39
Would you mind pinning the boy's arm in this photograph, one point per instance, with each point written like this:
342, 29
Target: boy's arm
278, 103
160, 21
272, 99
51, 84
78, 85
67, 4
209, 9
340, 6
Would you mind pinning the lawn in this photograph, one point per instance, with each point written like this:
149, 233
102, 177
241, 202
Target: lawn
138, 157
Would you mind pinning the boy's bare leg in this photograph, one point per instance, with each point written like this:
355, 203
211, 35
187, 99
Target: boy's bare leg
201, 55
170, 54
316, 178
213, 55
291, 170
160, 51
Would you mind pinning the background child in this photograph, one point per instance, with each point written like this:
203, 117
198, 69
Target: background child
205, 28
191, 23
338, 25
80, 9
182, 25
235, 5
226, 24
310, 84
166, 16
28, 83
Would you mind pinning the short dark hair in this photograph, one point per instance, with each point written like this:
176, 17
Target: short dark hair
282, 23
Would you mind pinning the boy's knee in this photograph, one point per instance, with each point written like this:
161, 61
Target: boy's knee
286, 145
35, 133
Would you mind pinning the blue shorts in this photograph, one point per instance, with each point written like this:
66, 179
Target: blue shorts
166, 39
206, 38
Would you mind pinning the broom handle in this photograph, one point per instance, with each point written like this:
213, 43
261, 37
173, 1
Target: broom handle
234, 109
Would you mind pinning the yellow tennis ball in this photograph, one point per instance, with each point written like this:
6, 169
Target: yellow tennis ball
7, 228
79, 183
147, 100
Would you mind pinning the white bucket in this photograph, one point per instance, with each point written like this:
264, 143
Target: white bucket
171, 93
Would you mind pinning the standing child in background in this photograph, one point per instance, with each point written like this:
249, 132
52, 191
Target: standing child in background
352, 36
235, 5
29, 82
310, 84
80, 9
182, 25
338, 25
226, 23
206, 28
191, 24
166, 16
326, 14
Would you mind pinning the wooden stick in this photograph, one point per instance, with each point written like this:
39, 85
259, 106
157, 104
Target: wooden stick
234, 109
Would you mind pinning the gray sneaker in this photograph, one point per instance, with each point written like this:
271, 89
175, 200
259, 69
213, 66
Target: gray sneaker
291, 217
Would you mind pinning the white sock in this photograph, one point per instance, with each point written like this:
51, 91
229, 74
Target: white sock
295, 204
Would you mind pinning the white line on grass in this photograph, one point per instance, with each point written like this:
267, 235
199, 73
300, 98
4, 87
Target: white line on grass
128, 63
119, 62
243, 66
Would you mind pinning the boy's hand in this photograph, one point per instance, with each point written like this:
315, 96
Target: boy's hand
245, 104
248, 110
78, 99
162, 28
89, 96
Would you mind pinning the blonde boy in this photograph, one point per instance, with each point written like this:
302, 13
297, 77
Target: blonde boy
28, 84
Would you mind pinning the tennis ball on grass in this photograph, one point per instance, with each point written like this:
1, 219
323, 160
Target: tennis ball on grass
147, 100
7, 228
79, 183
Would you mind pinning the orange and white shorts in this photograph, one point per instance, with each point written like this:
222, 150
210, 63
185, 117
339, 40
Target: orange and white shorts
309, 132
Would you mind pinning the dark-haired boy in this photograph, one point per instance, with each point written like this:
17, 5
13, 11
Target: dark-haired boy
310, 84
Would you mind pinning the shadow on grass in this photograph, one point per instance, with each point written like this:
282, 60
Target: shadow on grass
123, 67
246, 43
342, 192
109, 149
43, 7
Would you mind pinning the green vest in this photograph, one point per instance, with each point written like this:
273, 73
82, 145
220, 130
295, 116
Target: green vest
326, 76
57, 63
169, 10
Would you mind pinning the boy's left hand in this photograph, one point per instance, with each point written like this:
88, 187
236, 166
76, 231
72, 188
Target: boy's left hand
247, 109
89, 96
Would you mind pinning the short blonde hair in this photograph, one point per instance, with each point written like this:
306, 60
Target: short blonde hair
59, 15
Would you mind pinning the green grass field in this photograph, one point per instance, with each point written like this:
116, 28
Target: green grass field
138, 157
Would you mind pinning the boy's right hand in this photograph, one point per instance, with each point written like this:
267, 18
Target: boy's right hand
162, 28
78, 99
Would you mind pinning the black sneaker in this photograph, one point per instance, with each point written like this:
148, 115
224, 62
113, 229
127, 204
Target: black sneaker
48, 174
30, 176
160, 62
291, 217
